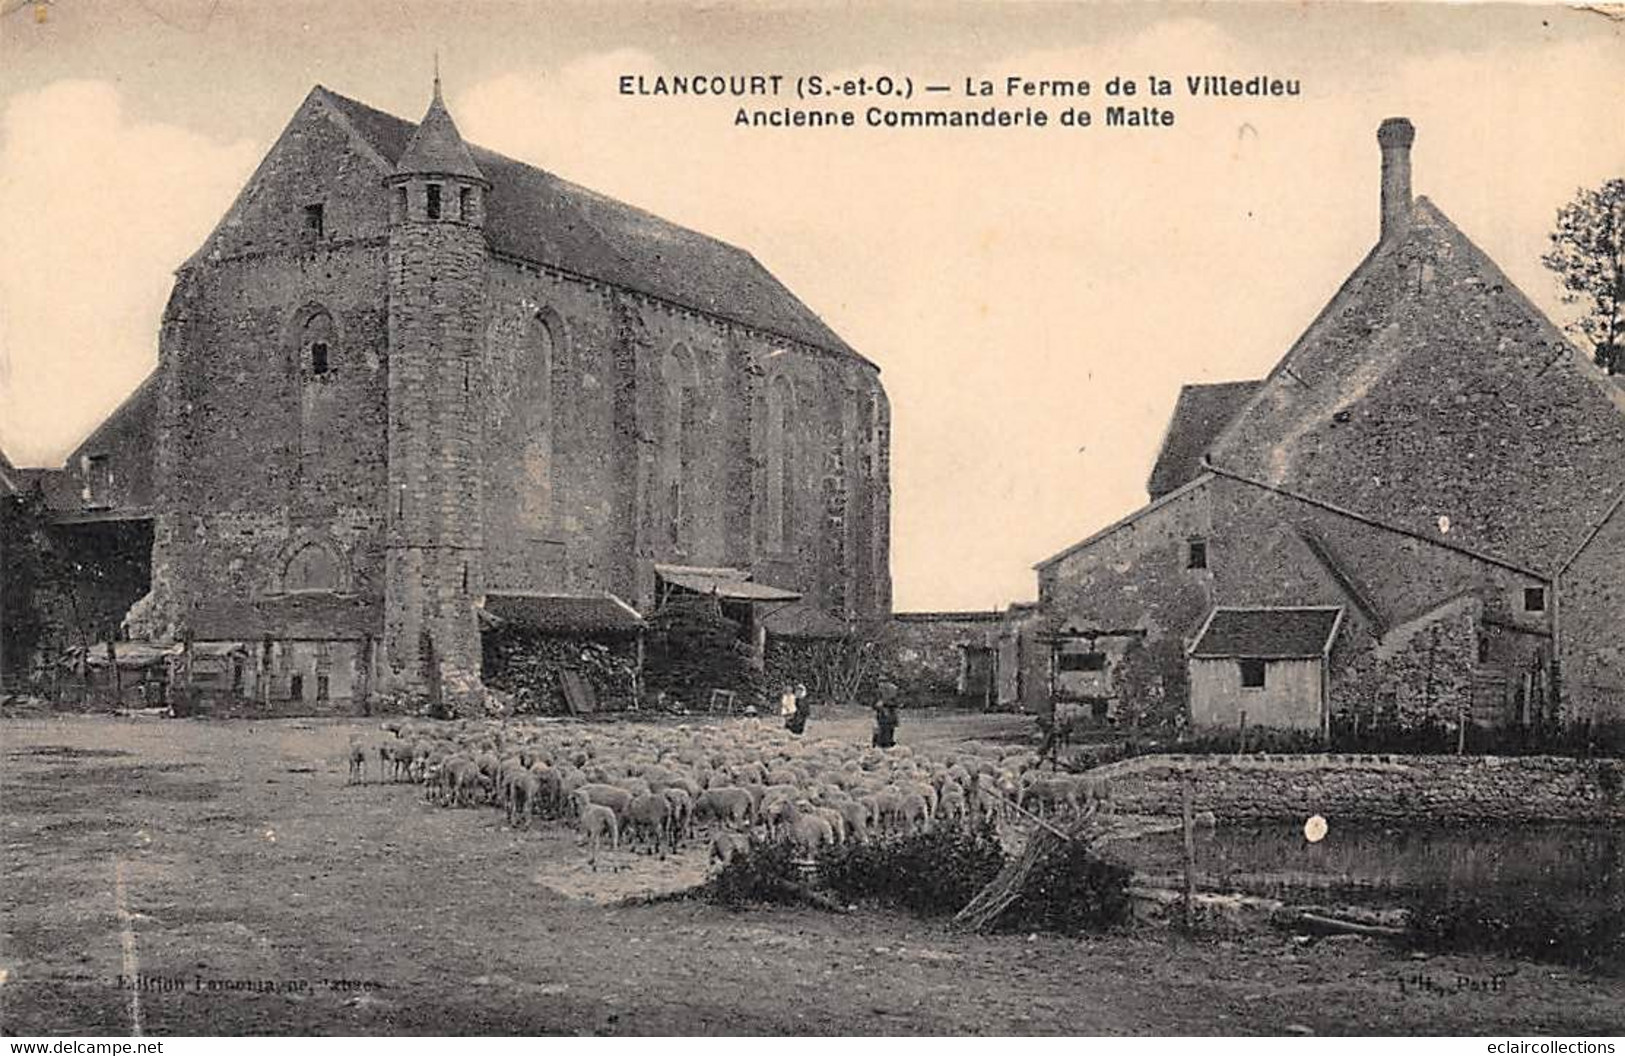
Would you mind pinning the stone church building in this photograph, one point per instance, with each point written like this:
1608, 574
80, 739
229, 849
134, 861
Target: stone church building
1414, 518
405, 375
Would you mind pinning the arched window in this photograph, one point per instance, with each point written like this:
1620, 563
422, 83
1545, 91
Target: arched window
313, 567
779, 499
535, 416
316, 345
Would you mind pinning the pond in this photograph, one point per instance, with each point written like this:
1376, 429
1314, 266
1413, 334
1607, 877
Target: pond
1580, 865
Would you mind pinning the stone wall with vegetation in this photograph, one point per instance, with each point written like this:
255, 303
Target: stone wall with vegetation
1365, 788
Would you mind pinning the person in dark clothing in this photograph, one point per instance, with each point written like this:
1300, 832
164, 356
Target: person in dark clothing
797, 721
886, 717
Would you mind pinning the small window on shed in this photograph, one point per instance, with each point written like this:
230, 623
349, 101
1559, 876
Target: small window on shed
1252, 674
314, 225
1534, 599
432, 204
1196, 554
1081, 662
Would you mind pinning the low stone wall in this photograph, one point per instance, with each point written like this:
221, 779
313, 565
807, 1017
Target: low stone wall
1374, 787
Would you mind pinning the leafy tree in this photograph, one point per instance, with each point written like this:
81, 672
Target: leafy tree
36, 583
1588, 255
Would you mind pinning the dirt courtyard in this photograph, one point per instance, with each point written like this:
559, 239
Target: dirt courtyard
229, 870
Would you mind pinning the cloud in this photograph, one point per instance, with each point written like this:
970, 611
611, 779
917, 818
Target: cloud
100, 209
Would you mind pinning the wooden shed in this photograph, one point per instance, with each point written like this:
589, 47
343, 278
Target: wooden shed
1264, 667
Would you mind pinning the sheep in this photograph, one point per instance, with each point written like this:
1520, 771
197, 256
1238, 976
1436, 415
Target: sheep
388, 768
616, 799
724, 845
358, 763
952, 806
731, 806
523, 792
837, 823
914, 812
809, 832
682, 813
854, 819
596, 821
648, 819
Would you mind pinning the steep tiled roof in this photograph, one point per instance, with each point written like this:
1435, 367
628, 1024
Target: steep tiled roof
1269, 634
537, 216
1200, 414
1430, 396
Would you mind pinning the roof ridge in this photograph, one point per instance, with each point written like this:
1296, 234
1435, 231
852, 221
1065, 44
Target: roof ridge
612, 241
477, 149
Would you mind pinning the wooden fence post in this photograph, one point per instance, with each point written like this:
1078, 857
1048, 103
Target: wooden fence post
1189, 819
118, 680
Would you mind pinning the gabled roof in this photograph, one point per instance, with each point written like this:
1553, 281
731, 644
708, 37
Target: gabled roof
1155, 504
138, 410
1200, 414
562, 613
1268, 633
538, 217
1430, 396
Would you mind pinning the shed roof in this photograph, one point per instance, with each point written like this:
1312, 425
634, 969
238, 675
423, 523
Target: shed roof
1268, 633
536, 216
1200, 414
563, 613
732, 583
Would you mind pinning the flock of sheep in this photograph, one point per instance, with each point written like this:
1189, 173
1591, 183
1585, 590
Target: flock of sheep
657, 787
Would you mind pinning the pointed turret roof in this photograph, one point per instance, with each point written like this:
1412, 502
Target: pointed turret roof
437, 148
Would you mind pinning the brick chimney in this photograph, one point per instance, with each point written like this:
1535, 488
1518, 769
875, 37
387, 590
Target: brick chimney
1395, 136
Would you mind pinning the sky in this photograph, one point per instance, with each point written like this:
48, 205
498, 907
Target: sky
1034, 298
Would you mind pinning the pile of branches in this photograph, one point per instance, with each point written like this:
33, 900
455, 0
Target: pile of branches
1059, 883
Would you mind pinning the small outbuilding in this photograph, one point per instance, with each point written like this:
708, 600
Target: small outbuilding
1263, 667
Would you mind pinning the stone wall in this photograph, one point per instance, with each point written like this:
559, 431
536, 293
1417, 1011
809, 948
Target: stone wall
644, 398
923, 651
1591, 619
1366, 788
1266, 548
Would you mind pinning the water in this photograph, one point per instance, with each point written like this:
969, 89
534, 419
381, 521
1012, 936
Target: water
1580, 865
